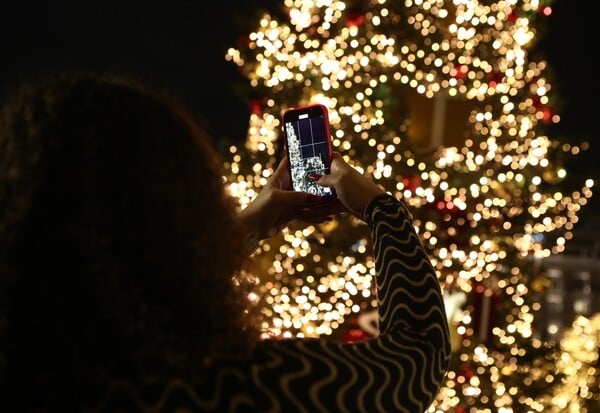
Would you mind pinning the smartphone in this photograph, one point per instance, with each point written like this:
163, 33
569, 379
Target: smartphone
308, 145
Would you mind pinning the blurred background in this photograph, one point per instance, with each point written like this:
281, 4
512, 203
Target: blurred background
180, 47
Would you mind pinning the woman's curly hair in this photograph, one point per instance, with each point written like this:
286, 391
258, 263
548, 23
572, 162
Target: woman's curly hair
119, 248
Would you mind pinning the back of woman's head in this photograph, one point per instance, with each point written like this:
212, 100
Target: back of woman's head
118, 240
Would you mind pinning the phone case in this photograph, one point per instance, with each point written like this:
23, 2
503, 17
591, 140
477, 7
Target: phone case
308, 146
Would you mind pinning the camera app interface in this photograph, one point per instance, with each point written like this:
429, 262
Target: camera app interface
308, 153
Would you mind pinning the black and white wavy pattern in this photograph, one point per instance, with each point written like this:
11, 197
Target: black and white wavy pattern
398, 371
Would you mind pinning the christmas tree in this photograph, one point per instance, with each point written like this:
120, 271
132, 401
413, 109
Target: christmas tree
441, 104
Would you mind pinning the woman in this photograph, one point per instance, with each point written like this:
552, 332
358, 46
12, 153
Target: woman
121, 268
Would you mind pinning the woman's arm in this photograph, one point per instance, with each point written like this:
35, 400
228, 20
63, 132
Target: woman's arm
399, 370
410, 299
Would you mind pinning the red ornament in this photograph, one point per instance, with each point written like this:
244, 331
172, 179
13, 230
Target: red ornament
459, 72
548, 115
355, 19
354, 332
537, 103
353, 335
411, 182
255, 106
494, 78
512, 17
466, 371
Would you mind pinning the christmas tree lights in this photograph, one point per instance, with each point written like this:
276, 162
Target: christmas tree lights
488, 207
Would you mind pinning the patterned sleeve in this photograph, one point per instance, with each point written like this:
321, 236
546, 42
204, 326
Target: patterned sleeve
400, 370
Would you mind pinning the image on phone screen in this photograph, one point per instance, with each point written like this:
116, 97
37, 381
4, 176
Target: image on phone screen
308, 152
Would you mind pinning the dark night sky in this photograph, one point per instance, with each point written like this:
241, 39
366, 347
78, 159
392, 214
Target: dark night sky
180, 46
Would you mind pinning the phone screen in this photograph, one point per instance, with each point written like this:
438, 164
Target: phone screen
308, 147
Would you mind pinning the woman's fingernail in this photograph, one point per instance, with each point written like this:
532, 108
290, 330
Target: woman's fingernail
314, 177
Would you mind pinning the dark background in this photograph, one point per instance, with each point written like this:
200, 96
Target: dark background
179, 46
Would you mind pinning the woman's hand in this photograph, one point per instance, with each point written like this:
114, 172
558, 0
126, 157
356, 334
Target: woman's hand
354, 190
277, 205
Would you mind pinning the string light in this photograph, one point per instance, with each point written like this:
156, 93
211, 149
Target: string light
478, 206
